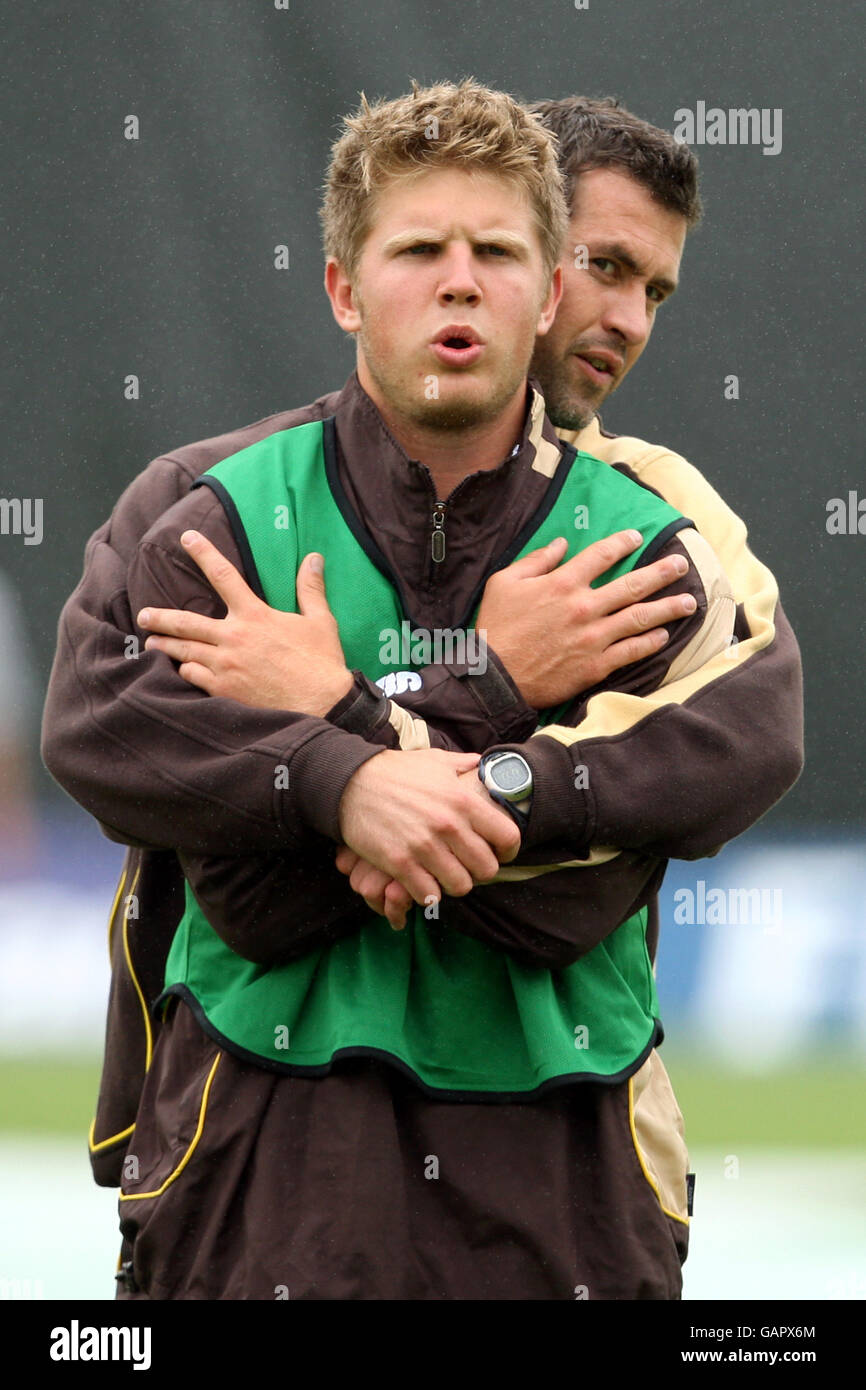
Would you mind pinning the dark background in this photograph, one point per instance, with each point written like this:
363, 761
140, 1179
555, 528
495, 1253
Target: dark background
155, 257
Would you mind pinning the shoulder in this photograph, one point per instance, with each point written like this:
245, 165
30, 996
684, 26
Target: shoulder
640, 456
196, 458
199, 510
673, 478
164, 485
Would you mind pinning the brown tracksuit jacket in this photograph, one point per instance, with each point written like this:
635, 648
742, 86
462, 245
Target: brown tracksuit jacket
593, 1195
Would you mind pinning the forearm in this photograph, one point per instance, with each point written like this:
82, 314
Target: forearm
158, 762
549, 920
660, 704
102, 743
677, 773
680, 769
469, 706
271, 910
463, 707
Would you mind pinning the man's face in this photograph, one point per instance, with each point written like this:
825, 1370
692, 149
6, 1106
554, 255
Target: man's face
604, 319
451, 255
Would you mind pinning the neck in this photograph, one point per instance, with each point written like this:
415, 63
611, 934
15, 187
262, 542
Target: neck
452, 454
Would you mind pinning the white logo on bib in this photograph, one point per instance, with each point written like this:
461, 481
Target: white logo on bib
398, 682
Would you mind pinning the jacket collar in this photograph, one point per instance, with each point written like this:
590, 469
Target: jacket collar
366, 444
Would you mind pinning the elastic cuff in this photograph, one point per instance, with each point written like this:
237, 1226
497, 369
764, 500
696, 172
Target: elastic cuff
362, 709
317, 777
560, 809
498, 696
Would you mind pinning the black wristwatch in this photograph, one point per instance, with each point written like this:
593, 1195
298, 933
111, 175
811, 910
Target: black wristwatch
508, 778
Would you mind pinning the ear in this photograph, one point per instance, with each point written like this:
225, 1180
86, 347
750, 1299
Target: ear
341, 295
548, 309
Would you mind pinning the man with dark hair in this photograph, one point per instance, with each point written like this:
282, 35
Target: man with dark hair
632, 191
599, 133
582, 1192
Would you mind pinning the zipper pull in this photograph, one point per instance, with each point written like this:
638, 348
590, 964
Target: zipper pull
437, 539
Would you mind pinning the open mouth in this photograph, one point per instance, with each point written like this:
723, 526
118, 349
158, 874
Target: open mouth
457, 351
595, 367
598, 363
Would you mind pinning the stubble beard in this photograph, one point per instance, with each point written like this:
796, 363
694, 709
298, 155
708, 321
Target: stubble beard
465, 411
565, 406
436, 413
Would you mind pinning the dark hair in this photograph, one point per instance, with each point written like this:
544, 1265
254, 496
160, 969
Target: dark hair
598, 133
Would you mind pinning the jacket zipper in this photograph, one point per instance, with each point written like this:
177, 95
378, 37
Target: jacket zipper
437, 536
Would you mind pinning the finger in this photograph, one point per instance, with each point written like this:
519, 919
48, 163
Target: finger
451, 861
373, 886
370, 882
180, 650
601, 556
346, 859
540, 561
198, 675
375, 900
397, 895
376, 906
310, 587
623, 653
419, 883
640, 583
219, 572
397, 904
177, 622
490, 821
493, 839
643, 617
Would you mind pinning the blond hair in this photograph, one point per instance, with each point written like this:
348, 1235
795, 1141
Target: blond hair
463, 125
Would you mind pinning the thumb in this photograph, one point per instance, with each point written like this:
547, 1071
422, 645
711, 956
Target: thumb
454, 760
310, 585
463, 762
540, 561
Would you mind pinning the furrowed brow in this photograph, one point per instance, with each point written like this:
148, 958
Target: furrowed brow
518, 245
619, 253
411, 237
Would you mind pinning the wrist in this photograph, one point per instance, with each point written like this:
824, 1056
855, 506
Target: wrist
363, 710
507, 777
512, 719
334, 694
319, 774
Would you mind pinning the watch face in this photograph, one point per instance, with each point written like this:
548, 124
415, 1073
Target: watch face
510, 773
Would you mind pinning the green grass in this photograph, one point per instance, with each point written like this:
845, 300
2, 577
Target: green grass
48, 1095
820, 1106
